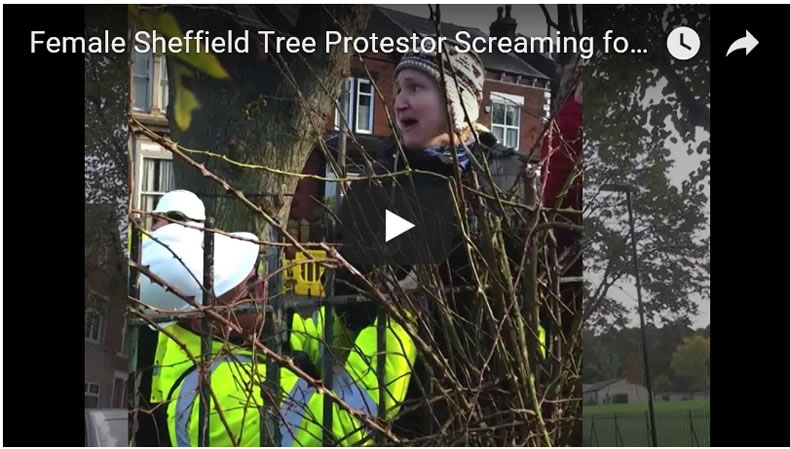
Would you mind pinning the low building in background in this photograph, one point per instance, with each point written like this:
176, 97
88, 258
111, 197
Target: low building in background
614, 391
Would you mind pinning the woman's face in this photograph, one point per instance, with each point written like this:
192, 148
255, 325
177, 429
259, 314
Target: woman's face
420, 111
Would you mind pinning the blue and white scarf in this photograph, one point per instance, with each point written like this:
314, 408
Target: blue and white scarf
443, 153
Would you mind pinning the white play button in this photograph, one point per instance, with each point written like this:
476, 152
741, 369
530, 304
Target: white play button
394, 225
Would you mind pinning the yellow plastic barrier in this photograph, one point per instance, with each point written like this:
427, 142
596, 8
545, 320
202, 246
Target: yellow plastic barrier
303, 278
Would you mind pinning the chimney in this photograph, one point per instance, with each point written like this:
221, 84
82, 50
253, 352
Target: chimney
503, 26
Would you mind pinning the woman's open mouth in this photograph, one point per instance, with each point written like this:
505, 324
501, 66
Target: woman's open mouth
407, 124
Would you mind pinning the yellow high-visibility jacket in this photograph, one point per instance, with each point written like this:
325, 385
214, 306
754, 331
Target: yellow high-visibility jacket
237, 374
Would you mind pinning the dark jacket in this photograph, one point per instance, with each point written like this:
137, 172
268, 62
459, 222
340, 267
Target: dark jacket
504, 162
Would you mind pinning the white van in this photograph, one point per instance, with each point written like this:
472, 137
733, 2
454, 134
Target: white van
106, 427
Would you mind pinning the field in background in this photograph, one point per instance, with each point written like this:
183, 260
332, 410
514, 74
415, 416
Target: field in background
679, 423
642, 407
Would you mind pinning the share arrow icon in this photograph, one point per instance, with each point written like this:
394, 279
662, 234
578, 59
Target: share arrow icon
394, 226
748, 42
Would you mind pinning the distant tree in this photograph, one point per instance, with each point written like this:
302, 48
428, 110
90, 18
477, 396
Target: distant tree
690, 362
661, 343
636, 108
633, 368
662, 384
599, 363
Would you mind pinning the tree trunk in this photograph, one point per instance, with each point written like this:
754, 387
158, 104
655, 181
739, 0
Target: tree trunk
271, 112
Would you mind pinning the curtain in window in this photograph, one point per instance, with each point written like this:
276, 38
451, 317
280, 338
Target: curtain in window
505, 123
157, 179
166, 178
512, 137
157, 175
498, 132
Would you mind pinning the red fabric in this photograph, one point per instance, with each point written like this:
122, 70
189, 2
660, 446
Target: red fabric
559, 152
561, 148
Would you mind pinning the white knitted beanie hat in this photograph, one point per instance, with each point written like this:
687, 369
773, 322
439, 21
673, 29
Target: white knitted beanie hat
469, 71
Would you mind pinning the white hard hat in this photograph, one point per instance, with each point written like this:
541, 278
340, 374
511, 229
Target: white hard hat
233, 261
182, 201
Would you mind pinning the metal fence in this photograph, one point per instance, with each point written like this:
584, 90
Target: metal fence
279, 312
674, 428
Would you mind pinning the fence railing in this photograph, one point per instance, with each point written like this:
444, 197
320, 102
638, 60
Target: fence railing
674, 428
275, 334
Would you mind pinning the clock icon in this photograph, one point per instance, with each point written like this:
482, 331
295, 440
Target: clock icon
683, 43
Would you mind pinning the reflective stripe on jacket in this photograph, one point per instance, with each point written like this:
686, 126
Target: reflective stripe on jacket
236, 378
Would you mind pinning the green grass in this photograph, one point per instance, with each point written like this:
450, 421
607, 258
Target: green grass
679, 423
663, 406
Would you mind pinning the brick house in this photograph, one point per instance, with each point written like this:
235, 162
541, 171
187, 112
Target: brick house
516, 101
106, 363
546, 63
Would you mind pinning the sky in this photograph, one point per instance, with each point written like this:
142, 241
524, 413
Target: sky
532, 22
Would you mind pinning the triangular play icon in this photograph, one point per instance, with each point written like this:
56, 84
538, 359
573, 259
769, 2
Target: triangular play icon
394, 225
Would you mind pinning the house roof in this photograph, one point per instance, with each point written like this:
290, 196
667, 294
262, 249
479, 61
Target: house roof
546, 63
590, 388
545, 55
408, 24
389, 22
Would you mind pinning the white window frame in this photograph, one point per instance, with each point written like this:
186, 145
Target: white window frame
350, 110
512, 101
143, 155
102, 318
354, 94
150, 72
163, 97
97, 394
119, 375
359, 94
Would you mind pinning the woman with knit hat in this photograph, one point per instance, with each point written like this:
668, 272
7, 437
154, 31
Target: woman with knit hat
432, 124
421, 106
